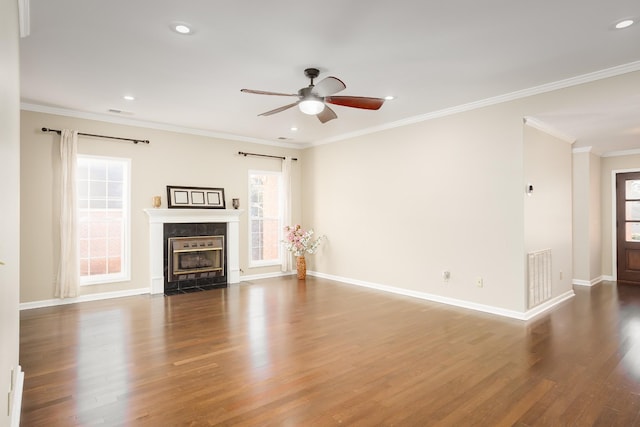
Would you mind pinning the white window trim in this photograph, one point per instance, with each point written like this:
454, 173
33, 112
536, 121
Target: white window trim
125, 275
260, 263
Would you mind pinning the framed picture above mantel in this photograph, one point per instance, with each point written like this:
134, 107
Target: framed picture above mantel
195, 197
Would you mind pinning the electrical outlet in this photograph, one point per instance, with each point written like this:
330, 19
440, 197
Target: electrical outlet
479, 282
561, 275
446, 275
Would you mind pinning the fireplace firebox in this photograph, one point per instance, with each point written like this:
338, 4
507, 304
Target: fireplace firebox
194, 257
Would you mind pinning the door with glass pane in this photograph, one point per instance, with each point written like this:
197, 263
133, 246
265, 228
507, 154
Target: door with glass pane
628, 226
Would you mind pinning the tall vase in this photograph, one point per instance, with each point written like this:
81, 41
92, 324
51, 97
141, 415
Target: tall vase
301, 264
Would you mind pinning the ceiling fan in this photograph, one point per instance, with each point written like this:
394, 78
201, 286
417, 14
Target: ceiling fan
312, 99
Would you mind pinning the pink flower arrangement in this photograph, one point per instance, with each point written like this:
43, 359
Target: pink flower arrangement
299, 241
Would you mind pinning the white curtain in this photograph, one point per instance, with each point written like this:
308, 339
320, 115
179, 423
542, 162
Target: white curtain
68, 269
287, 264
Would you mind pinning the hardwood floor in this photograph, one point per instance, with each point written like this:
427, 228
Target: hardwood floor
287, 353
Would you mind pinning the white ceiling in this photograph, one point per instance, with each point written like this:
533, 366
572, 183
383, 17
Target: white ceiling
82, 56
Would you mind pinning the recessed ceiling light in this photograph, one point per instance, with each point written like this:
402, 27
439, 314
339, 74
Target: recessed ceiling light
389, 97
182, 28
129, 98
294, 129
624, 24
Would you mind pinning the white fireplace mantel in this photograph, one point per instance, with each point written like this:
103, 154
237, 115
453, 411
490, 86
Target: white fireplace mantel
157, 219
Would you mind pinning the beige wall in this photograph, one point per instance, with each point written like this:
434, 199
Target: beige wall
610, 164
547, 210
170, 159
401, 206
10, 208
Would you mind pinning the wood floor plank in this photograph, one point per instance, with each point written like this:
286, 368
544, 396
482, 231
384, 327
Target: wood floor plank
283, 352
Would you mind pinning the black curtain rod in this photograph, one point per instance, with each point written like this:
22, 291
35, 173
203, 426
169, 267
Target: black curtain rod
242, 153
135, 141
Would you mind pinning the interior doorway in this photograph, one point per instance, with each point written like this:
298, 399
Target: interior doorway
628, 227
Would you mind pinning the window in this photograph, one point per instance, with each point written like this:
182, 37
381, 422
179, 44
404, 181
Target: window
103, 219
265, 218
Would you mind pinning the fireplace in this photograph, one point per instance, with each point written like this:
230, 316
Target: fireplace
194, 257
211, 222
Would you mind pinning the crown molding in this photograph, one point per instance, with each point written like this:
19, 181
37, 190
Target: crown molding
152, 125
582, 150
621, 153
548, 129
536, 90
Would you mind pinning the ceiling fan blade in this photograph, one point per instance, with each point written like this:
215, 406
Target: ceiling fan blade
263, 92
356, 101
327, 114
277, 110
329, 86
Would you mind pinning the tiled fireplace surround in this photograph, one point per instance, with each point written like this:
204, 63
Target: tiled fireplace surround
159, 217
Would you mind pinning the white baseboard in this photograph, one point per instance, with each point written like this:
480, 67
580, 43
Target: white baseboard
82, 298
591, 282
16, 403
530, 314
548, 305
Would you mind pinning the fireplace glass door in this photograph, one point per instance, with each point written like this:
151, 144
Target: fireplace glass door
196, 257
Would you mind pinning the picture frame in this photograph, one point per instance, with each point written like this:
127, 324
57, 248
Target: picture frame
195, 197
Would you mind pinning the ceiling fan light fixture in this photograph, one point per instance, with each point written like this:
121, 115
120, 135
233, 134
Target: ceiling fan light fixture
311, 106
